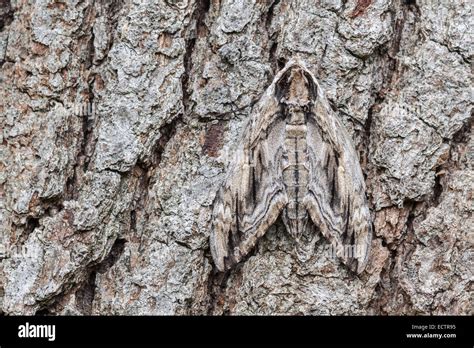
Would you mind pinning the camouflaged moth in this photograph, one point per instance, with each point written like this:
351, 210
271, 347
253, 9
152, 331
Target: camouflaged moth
295, 160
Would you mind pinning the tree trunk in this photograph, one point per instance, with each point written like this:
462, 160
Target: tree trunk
119, 119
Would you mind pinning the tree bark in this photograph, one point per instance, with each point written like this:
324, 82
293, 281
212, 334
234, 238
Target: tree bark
119, 118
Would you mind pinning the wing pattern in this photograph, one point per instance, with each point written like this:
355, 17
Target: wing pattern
295, 160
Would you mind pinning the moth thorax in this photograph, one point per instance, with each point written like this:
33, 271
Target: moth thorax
298, 90
296, 117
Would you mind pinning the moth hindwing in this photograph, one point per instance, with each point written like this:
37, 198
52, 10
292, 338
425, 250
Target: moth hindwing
295, 160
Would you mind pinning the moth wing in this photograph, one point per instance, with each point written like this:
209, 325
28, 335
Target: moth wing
336, 199
253, 193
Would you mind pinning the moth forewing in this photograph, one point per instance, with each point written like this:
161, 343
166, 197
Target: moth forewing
219, 238
363, 232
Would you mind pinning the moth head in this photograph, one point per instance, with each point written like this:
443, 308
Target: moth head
296, 88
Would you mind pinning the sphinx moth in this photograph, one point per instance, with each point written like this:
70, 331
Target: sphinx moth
295, 160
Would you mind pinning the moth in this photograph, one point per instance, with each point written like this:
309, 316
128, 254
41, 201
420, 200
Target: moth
294, 160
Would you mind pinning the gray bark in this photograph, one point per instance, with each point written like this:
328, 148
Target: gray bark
119, 119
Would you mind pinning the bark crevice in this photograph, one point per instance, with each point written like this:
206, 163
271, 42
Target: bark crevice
84, 295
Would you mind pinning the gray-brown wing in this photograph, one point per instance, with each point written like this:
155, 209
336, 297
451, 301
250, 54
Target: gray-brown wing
336, 199
253, 193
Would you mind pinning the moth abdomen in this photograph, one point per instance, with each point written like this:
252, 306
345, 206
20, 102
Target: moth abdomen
295, 172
